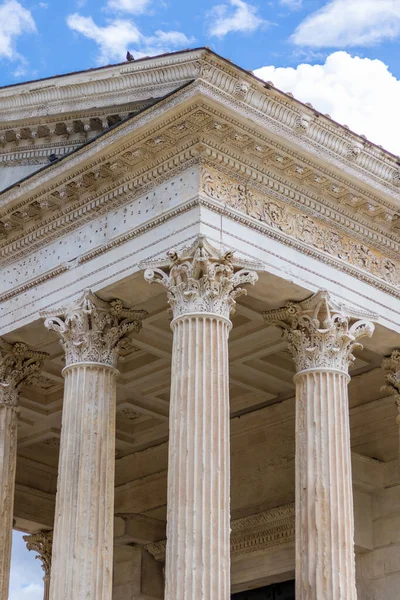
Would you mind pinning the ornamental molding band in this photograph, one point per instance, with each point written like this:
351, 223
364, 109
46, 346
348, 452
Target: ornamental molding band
152, 150
93, 330
201, 279
391, 364
155, 77
255, 533
18, 364
321, 333
316, 233
42, 543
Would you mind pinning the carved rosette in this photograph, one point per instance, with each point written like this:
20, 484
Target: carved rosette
93, 330
201, 279
321, 333
18, 363
391, 364
41, 543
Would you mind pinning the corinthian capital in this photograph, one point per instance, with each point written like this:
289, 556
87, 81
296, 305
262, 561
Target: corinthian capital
321, 333
41, 543
391, 364
92, 330
201, 279
17, 365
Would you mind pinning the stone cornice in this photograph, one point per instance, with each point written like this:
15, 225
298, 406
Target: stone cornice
276, 171
253, 172
155, 77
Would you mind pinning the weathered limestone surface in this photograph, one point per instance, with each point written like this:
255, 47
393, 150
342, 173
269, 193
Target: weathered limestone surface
137, 575
202, 284
92, 333
17, 364
322, 336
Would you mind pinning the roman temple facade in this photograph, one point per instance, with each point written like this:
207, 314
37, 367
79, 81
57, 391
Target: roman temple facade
199, 339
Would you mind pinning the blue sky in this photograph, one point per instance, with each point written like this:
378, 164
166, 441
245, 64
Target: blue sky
340, 55
343, 56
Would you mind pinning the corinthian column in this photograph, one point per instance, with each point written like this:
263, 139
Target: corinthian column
17, 364
42, 543
92, 333
202, 284
391, 364
322, 336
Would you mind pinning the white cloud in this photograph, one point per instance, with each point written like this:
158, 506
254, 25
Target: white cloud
345, 23
26, 581
120, 35
358, 92
15, 20
293, 4
134, 7
241, 17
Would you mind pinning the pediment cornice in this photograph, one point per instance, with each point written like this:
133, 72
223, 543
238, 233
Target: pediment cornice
191, 126
280, 113
186, 129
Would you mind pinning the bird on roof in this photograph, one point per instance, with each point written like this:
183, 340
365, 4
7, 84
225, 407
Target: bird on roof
129, 56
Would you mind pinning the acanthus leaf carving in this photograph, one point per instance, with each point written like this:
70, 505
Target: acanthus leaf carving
302, 227
93, 330
391, 364
321, 333
41, 543
202, 279
18, 364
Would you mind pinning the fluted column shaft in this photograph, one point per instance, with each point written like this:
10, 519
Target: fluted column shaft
92, 333
198, 524
83, 528
202, 284
325, 568
18, 364
322, 336
8, 463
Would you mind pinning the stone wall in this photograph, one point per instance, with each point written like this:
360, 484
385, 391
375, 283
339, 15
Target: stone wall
378, 572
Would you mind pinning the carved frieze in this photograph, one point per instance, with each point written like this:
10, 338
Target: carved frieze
255, 533
305, 228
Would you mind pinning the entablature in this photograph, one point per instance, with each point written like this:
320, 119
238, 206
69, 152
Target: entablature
158, 76
244, 172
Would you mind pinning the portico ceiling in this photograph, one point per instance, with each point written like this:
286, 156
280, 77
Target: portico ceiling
261, 372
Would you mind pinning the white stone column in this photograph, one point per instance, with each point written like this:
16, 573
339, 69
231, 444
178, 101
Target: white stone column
92, 333
322, 336
391, 364
202, 284
42, 544
17, 364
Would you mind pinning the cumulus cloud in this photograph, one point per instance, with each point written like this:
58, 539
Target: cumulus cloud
26, 581
120, 34
134, 7
239, 16
358, 92
345, 23
14, 21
